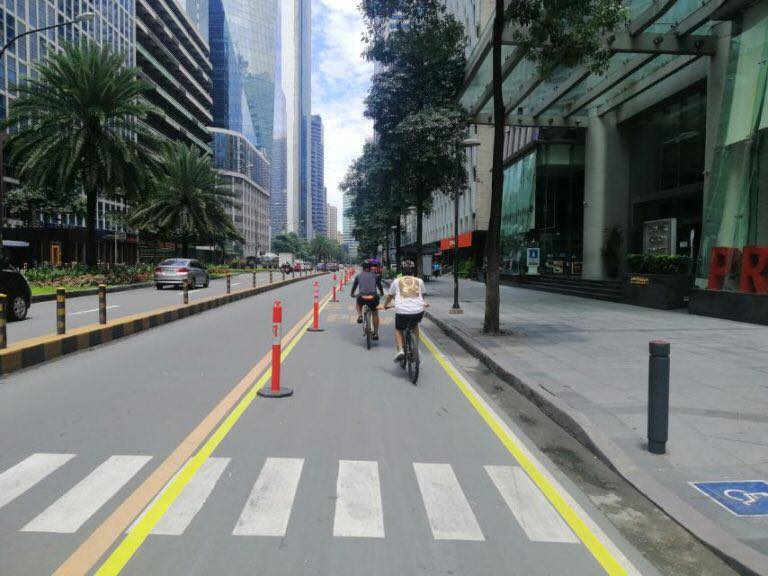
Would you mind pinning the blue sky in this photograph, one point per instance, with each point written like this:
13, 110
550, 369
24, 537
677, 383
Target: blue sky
340, 81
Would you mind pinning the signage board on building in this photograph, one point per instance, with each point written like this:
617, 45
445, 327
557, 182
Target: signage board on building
660, 237
533, 258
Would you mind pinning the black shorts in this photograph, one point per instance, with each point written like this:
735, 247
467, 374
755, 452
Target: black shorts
372, 303
403, 321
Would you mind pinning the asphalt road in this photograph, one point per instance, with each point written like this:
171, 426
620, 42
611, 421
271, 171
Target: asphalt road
84, 310
359, 471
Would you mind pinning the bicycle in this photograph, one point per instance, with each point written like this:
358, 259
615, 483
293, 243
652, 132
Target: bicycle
368, 325
411, 361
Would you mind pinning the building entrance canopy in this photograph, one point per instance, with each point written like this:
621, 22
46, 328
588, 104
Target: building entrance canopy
662, 38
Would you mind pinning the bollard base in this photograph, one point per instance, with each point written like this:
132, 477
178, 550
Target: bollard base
315, 329
655, 447
455, 311
269, 393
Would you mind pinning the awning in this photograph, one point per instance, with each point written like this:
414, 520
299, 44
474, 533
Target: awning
662, 38
465, 241
15, 244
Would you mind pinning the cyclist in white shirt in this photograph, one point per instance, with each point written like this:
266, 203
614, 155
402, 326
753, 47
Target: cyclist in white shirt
408, 294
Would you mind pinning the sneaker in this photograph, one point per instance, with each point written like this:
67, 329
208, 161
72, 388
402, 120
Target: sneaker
375, 337
359, 319
400, 356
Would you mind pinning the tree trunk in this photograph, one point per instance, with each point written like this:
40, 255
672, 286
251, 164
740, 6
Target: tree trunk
91, 248
185, 245
419, 230
398, 246
491, 324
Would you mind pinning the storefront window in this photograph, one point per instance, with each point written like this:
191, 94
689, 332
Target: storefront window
734, 251
518, 215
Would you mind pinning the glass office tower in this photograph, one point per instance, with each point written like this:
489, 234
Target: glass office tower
319, 214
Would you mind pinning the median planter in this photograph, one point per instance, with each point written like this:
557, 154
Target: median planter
661, 291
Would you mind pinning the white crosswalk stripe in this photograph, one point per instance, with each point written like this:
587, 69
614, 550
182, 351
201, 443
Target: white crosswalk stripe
71, 511
20, 478
180, 514
450, 515
534, 513
269, 506
358, 501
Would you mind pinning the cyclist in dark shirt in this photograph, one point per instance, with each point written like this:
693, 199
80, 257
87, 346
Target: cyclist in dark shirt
369, 288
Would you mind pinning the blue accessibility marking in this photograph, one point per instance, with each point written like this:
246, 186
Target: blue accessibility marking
746, 498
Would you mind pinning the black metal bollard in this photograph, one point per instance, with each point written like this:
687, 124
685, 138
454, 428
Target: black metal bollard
61, 311
185, 288
658, 397
254, 279
102, 304
270, 277
229, 283
283, 273
3, 321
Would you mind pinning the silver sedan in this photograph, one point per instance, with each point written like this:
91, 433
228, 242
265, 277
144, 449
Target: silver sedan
174, 271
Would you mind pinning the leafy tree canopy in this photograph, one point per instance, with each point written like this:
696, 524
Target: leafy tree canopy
565, 32
291, 242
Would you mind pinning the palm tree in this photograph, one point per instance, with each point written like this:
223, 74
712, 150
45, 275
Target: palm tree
78, 125
186, 202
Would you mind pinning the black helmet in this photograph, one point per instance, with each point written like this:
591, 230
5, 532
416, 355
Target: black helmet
367, 265
409, 268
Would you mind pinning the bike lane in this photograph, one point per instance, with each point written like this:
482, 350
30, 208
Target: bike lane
361, 470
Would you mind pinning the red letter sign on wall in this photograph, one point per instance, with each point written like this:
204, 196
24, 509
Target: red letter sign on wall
721, 266
754, 270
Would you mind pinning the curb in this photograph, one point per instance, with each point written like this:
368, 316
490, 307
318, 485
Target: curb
735, 553
92, 292
35, 351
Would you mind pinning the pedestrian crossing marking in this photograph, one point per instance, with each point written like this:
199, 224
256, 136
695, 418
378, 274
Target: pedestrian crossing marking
533, 512
269, 506
191, 500
20, 478
359, 512
71, 511
450, 515
358, 508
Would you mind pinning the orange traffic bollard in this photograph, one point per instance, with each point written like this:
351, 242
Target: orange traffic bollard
316, 309
275, 391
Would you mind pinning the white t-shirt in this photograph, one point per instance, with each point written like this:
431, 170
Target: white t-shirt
409, 295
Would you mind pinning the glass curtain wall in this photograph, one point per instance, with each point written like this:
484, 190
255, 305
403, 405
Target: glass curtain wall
734, 251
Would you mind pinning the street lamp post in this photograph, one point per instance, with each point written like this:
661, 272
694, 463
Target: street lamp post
468, 143
3, 135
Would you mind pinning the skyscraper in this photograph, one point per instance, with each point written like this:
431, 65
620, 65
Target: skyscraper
332, 221
296, 79
317, 180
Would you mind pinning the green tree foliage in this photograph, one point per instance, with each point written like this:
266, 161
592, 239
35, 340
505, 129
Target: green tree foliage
25, 203
77, 126
376, 201
323, 249
565, 32
413, 102
186, 202
291, 242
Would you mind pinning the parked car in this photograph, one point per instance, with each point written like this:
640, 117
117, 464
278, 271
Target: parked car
174, 271
16, 289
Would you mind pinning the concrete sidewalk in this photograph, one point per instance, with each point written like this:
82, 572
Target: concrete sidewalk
586, 364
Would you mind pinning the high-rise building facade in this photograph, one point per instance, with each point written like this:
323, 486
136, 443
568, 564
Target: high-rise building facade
174, 59
317, 180
349, 244
296, 70
58, 238
245, 171
332, 221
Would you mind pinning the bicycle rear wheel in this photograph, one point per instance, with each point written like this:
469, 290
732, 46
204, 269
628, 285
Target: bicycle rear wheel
415, 361
367, 328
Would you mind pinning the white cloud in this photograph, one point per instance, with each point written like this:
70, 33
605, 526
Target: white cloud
340, 81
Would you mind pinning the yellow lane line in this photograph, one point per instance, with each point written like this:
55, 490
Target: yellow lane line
597, 542
115, 563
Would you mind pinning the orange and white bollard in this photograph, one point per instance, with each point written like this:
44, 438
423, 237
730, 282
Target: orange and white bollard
334, 299
316, 309
275, 391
